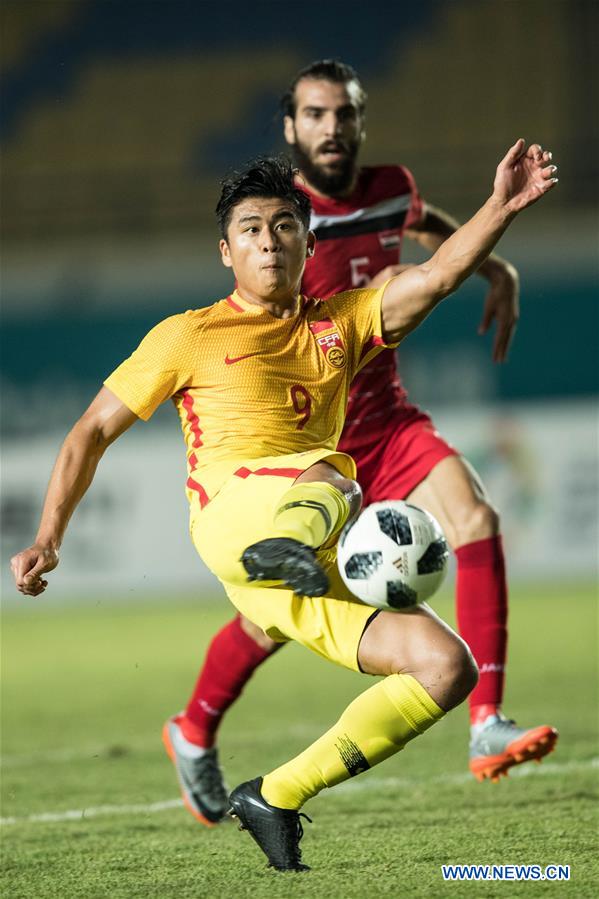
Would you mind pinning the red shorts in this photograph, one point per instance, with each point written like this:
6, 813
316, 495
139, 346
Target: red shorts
400, 457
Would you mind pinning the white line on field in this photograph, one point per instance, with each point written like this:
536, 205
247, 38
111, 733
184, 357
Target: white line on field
81, 814
86, 753
548, 769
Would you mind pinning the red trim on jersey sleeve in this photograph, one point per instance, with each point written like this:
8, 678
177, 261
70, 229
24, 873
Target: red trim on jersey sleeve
192, 418
233, 305
371, 344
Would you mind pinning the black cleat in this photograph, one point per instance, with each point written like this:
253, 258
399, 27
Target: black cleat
277, 831
287, 560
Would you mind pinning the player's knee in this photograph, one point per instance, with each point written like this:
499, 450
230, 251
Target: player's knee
451, 672
476, 522
460, 674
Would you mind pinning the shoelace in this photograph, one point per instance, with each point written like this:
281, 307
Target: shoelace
485, 738
502, 722
289, 840
299, 832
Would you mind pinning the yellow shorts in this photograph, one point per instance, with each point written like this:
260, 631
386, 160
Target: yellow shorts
242, 513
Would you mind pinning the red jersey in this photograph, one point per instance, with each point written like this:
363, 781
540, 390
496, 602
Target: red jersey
357, 236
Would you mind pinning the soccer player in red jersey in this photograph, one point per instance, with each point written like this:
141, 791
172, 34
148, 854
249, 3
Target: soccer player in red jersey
360, 217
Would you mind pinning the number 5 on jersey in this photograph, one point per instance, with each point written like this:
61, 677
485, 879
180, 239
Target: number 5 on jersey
359, 271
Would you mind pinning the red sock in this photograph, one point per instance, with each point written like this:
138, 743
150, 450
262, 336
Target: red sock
231, 660
481, 606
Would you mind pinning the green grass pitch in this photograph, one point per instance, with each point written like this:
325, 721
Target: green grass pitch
86, 690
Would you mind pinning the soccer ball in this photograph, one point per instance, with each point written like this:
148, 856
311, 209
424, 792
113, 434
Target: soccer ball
393, 556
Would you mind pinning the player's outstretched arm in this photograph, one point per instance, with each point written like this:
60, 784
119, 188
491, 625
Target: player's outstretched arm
105, 420
523, 176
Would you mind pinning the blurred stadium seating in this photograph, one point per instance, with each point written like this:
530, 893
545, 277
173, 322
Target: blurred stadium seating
119, 118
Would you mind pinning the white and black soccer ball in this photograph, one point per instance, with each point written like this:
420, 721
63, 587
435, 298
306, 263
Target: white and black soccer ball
393, 556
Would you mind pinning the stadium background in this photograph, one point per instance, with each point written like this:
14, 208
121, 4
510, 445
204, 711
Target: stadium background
118, 119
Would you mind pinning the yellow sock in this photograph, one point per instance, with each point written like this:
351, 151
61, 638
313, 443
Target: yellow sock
310, 512
376, 725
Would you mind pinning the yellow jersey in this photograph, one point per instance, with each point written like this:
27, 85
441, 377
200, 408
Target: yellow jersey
247, 384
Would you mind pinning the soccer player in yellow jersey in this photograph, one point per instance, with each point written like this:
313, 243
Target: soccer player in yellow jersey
260, 381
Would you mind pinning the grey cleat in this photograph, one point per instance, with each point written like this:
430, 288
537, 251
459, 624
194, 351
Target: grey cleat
200, 777
499, 744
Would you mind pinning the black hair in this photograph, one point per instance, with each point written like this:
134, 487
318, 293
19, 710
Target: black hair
324, 70
264, 176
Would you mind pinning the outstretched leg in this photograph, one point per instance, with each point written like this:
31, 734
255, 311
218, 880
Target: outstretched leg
428, 669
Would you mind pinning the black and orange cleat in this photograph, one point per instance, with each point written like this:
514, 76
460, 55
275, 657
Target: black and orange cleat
499, 745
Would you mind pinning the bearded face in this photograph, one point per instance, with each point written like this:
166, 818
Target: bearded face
325, 134
330, 167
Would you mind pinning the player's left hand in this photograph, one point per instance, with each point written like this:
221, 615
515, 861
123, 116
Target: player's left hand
523, 176
502, 306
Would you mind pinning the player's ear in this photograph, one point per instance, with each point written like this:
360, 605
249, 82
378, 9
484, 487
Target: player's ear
362, 128
310, 244
289, 129
225, 254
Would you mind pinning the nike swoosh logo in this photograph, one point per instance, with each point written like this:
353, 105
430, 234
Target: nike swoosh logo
231, 361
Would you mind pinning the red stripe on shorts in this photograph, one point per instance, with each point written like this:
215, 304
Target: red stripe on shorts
275, 472
202, 495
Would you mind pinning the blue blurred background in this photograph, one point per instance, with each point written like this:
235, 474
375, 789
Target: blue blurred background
119, 119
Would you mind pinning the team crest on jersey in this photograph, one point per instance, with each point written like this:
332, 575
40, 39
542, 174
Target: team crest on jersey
329, 340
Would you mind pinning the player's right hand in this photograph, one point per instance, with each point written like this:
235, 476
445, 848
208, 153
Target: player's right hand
29, 565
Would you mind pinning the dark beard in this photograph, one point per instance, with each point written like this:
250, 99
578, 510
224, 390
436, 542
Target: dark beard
331, 184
